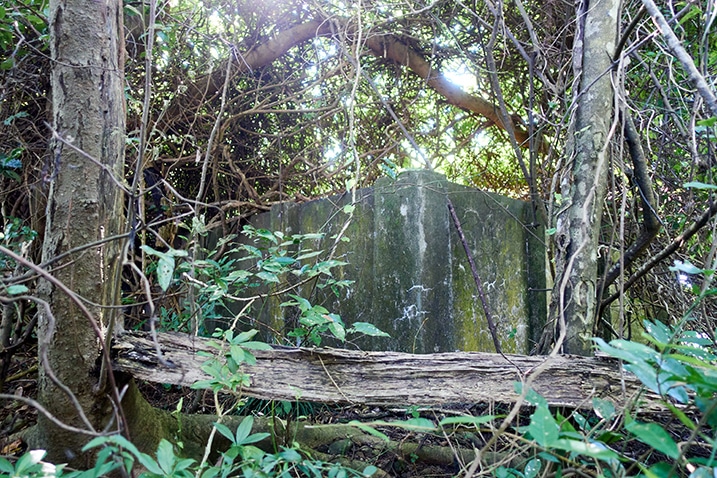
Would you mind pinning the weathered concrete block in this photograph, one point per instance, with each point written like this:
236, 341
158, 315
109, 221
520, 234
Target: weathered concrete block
411, 273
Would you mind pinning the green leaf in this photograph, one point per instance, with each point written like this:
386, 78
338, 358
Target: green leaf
308, 255
253, 345
9, 120
237, 275
165, 272
682, 416
657, 330
532, 397
183, 464
336, 328
256, 437
532, 468
244, 429
591, 449
284, 261
368, 429
687, 267
543, 427
165, 456
113, 439
268, 277
646, 374
243, 336
655, 436
368, 329
16, 289
312, 236
604, 409
303, 304
630, 352
291, 455
369, 471
581, 421
202, 384
27, 461
165, 266
266, 234
609, 437
699, 185
422, 425
224, 430
6, 467
465, 420
237, 354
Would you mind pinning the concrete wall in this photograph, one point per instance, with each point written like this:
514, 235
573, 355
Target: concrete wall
412, 277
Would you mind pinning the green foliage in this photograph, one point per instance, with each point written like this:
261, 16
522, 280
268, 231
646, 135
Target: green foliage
23, 20
28, 465
678, 365
165, 264
226, 371
268, 260
14, 236
280, 408
316, 320
11, 163
241, 459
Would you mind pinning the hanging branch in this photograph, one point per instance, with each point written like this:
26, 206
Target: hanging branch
650, 222
474, 271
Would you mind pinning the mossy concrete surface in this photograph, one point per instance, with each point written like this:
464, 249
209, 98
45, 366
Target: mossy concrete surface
411, 274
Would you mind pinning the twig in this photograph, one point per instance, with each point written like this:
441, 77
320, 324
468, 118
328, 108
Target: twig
328, 374
78, 302
476, 277
681, 54
22, 374
51, 417
673, 246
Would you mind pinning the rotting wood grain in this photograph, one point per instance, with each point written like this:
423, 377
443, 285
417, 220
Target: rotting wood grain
385, 378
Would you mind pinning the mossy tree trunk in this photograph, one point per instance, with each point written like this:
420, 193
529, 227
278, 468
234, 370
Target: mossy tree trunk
84, 206
584, 183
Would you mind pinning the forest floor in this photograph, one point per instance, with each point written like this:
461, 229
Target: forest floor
16, 416
413, 454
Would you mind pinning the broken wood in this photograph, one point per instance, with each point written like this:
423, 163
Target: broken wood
386, 378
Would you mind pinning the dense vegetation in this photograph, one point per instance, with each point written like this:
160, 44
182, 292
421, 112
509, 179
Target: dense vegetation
232, 107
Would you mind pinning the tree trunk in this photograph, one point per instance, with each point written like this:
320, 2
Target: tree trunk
84, 206
574, 307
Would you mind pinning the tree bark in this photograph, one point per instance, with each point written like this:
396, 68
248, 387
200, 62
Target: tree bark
385, 378
574, 307
84, 205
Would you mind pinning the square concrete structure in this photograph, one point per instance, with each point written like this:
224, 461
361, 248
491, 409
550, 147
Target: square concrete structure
411, 274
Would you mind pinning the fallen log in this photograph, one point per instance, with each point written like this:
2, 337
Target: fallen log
386, 378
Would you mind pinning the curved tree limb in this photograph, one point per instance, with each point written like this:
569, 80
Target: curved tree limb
382, 46
389, 47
